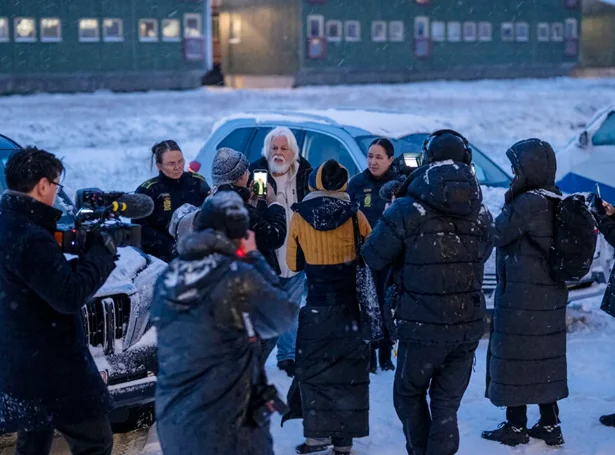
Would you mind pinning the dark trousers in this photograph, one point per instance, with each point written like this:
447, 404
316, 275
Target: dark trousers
444, 371
517, 415
85, 438
386, 344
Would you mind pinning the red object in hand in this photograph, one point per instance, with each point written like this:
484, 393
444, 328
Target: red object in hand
194, 166
241, 253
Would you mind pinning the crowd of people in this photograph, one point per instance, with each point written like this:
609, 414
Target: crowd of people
243, 254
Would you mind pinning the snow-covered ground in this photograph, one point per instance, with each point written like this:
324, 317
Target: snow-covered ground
105, 140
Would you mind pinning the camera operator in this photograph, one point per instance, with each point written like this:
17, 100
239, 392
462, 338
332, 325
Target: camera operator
48, 379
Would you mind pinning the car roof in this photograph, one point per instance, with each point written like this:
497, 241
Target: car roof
7, 143
357, 122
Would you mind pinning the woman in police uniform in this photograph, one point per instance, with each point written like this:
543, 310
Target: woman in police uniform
169, 190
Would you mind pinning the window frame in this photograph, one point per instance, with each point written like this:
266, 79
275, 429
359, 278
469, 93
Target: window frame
351, 39
559, 38
543, 26
147, 39
427, 24
450, 37
489, 26
187, 17
518, 36
19, 39
507, 25
436, 36
88, 39
321, 25
174, 39
56, 39
6, 21
402, 28
575, 35
235, 29
340, 28
380, 39
113, 39
474, 36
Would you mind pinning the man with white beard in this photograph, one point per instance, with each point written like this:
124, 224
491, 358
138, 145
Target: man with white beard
289, 174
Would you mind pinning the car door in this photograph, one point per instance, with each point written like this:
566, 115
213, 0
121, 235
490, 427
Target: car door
319, 147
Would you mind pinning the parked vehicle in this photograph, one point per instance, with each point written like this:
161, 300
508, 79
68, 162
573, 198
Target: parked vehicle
116, 320
345, 135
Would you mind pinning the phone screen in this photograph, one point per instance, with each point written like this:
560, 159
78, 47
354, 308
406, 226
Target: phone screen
598, 190
260, 183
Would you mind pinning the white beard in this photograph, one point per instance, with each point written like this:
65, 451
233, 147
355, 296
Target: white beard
279, 168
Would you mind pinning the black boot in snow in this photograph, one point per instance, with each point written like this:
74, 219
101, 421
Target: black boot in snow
373, 366
608, 420
551, 434
306, 449
508, 435
288, 366
384, 358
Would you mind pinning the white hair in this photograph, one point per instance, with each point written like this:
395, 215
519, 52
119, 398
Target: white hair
281, 131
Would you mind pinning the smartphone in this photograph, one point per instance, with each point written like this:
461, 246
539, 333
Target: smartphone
260, 182
598, 190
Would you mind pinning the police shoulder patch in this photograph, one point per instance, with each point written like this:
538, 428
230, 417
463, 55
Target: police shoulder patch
198, 176
149, 183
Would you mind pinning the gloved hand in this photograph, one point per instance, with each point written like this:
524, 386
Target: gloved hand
104, 238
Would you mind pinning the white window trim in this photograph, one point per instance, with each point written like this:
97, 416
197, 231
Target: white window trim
235, 26
352, 39
380, 39
425, 21
321, 25
402, 37
561, 27
82, 39
510, 25
20, 39
518, 36
193, 16
8, 31
576, 28
172, 39
55, 39
450, 37
113, 39
480, 35
474, 35
340, 28
544, 26
147, 39
435, 36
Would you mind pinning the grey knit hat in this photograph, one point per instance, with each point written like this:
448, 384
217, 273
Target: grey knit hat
228, 166
182, 221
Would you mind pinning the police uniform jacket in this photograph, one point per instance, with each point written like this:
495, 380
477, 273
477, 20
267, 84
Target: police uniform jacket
364, 190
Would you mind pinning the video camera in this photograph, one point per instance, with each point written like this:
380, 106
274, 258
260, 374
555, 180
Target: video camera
99, 211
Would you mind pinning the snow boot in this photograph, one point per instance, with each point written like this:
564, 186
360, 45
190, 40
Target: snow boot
373, 366
508, 435
551, 434
288, 366
307, 449
384, 358
608, 420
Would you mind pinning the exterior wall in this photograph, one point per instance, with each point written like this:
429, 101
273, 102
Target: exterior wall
598, 35
72, 65
260, 37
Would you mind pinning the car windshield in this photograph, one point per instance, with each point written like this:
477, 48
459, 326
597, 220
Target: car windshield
487, 172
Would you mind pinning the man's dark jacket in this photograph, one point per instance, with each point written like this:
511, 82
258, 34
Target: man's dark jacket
206, 359
168, 195
526, 361
303, 173
606, 224
364, 191
438, 238
47, 374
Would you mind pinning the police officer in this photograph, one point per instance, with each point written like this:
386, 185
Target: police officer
171, 189
364, 190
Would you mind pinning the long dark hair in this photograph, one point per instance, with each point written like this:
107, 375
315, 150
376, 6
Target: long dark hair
386, 144
159, 149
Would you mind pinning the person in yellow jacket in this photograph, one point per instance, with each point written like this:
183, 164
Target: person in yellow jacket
331, 388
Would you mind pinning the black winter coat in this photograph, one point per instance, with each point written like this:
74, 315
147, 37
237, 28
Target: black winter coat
364, 190
207, 361
438, 238
302, 175
526, 362
47, 374
268, 224
606, 224
168, 195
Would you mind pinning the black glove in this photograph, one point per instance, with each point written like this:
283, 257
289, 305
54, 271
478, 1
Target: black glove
105, 239
596, 206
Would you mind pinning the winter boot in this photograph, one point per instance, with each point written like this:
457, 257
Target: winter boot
288, 366
508, 435
551, 434
384, 358
608, 420
373, 365
306, 448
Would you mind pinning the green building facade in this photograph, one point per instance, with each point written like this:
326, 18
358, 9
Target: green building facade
84, 45
299, 42
598, 34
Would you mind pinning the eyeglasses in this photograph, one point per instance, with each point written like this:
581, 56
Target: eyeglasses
175, 164
59, 186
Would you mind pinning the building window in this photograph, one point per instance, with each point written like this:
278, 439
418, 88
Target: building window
469, 31
438, 31
379, 31
507, 31
543, 32
4, 30
421, 27
316, 25
171, 30
557, 31
334, 31
422, 2
353, 31
235, 30
571, 29
113, 30
88, 30
25, 30
396, 31
51, 30
485, 31
453, 30
148, 30
193, 25
522, 31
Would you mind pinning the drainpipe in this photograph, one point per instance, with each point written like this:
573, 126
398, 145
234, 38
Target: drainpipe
207, 20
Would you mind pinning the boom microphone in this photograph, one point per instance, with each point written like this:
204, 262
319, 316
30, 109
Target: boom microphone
133, 206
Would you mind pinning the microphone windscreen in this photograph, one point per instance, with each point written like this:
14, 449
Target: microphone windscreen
137, 205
